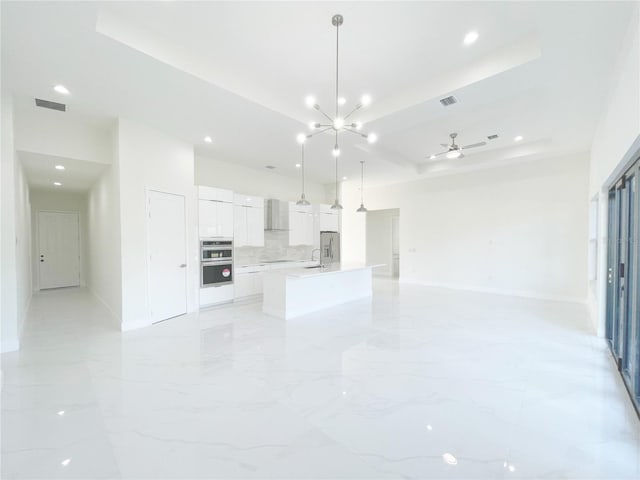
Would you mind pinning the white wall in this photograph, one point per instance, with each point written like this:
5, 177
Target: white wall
379, 239
15, 280
58, 201
49, 132
616, 143
103, 261
517, 230
149, 159
23, 244
250, 181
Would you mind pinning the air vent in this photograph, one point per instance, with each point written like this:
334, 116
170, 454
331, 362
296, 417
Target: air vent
493, 137
61, 107
448, 101
270, 167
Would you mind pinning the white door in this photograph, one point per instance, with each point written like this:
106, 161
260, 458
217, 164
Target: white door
59, 244
166, 230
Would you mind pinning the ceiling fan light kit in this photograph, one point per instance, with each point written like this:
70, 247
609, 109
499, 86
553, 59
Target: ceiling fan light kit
455, 151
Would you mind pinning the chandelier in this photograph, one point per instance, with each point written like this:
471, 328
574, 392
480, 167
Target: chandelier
338, 123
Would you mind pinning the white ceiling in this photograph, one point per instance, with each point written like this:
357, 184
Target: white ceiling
239, 71
78, 175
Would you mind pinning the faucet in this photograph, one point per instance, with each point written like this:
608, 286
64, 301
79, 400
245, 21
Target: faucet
314, 251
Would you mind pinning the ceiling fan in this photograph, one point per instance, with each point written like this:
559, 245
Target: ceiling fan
455, 151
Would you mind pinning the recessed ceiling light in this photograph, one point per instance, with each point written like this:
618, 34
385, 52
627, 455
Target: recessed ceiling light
471, 37
518, 138
61, 89
297, 165
57, 184
344, 178
59, 167
61, 412
66, 462
208, 139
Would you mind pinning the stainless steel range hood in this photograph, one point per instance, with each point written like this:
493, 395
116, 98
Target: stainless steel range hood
276, 215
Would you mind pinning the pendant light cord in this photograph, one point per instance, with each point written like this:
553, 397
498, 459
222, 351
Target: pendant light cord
303, 171
362, 182
337, 43
337, 181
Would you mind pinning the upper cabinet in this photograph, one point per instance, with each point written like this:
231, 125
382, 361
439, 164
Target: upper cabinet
215, 194
215, 216
301, 225
329, 219
248, 221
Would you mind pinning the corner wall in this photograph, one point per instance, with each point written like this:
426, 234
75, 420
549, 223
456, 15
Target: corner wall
103, 260
15, 279
149, 159
519, 230
616, 144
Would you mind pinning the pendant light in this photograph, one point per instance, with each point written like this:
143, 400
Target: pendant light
341, 121
362, 208
303, 201
336, 205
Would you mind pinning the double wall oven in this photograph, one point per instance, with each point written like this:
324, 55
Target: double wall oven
216, 260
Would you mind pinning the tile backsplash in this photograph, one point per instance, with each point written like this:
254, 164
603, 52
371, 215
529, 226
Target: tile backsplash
276, 247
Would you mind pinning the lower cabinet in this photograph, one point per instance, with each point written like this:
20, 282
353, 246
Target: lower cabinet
247, 284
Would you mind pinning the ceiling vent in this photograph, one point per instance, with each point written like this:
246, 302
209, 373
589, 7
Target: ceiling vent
270, 167
61, 107
493, 137
448, 101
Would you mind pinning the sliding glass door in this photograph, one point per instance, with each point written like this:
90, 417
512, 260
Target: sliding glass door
623, 287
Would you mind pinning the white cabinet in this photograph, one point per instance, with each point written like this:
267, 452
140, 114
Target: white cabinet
215, 219
248, 221
329, 222
300, 225
247, 283
239, 226
215, 212
215, 194
325, 220
255, 226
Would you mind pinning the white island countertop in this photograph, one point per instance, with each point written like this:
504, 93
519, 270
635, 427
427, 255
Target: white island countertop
315, 271
292, 292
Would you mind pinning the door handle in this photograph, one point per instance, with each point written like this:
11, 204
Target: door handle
183, 265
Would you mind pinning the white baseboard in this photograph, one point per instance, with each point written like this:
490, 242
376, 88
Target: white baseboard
9, 345
495, 291
125, 327
114, 317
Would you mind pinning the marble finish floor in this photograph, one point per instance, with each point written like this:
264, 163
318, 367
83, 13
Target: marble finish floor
417, 383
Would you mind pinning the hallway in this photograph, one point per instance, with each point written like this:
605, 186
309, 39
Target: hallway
417, 383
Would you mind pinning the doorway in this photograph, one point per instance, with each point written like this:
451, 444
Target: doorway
383, 241
167, 254
58, 249
623, 288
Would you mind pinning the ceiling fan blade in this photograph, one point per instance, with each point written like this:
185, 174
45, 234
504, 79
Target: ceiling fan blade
445, 145
474, 145
436, 154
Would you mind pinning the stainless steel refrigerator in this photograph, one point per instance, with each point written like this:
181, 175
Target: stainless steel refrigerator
329, 248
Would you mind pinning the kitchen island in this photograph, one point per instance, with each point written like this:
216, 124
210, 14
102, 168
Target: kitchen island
289, 293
